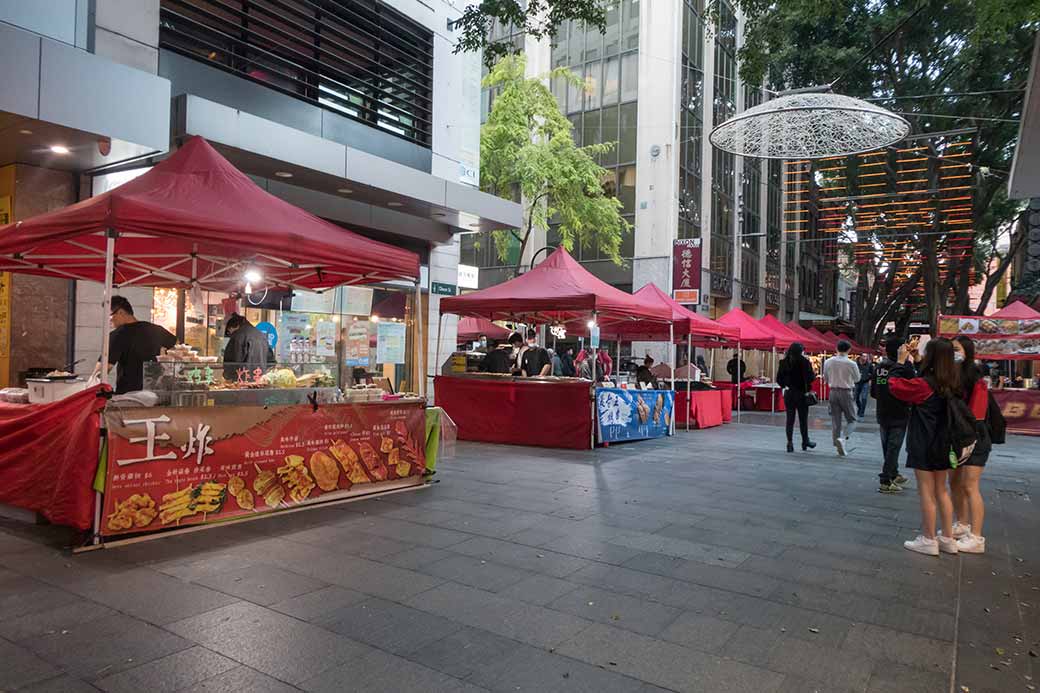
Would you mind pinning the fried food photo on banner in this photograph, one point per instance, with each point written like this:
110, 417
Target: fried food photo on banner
295, 476
206, 497
137, 511
325, 470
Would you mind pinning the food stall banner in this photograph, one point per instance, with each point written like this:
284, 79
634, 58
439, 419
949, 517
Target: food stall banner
633, 414
66, 434
172, 467
1021, 408
995, 337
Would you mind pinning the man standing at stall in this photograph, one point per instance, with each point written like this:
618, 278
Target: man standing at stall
131, 344
247, 347
535, 359
736, 368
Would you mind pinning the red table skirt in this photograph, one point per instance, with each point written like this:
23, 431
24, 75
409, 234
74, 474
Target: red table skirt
819, 388
518, 412
706, 408
762, 395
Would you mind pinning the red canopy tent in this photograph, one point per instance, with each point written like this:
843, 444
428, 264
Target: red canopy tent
196, 220
1016, 311
753, 333
470, 330
813, 343
856, 347
829, 340
789, 335
558, 290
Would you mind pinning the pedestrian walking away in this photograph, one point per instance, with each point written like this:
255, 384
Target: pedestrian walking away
795, 375
866, 375
892, 415
841, 375
928, 435
968, 506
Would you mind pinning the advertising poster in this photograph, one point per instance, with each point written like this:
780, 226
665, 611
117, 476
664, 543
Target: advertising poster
356, 350
390, 342
1021, 408
357, 300
633, 414
325, 336
174, 467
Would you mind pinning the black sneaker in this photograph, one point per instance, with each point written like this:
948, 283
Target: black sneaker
808, 445
790, 447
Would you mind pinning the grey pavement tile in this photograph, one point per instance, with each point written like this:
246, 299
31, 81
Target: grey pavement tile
537, 536
241, 679
370, 577
60, 684
592, 549
21, 667
417, 557
320, 605
379, 672
751, 644
20, 595
527, 623
389, 626
536, 560
464, 652
655, 587
411, 532
67, 571
106, 646
152, 596
731, 579
197, 568
60, 618
11, 543
273, 643
476, 572
538, 589
818, 662
180, 670
347, 539
622, 611
894, 678
889, 645
261, 584
531, 669
664, 664
797, 684
699, 632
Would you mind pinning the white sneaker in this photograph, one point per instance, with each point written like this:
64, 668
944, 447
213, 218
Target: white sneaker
947, 544
970, 543
840, 444
922, 544
960, 529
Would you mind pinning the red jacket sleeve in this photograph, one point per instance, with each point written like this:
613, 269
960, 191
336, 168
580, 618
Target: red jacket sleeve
910, 390
979, 401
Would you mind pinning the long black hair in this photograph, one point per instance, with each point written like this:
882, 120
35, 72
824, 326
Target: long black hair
970, 372
940, 369
795, 352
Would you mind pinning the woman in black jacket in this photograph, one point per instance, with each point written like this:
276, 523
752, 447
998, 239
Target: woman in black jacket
795, 375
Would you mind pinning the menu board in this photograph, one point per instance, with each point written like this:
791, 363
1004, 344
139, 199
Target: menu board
390, 338
357, 347
174, 467
987, 327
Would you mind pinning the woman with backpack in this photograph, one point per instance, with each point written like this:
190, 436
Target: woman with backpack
795, 375
933, 396
967, 500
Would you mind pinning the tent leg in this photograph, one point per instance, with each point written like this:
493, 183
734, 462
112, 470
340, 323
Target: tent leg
671, 360
772, 394
437, 348
423, 346
689, 368
106, 308
740, 358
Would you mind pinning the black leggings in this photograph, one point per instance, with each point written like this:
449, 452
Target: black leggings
795, 403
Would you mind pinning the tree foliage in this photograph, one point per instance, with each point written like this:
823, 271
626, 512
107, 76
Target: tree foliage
527, 151
949, 48
535, 18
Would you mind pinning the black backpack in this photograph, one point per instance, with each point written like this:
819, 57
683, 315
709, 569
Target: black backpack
996, 422
961, 434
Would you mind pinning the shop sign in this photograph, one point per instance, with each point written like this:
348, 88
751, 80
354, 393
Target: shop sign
772, 298
469, 277
748, 293
175, 467
442, 289
688, 296
269, 330
721, 285
633, 414
356, 350
686, 266
390, 342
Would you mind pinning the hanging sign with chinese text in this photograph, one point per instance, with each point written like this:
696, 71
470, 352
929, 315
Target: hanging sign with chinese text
173, 467
686, 270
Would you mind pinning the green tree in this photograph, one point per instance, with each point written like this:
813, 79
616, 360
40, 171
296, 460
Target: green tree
535, 18
931, 70
527, 152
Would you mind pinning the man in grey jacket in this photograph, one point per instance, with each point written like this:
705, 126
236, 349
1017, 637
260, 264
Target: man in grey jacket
841, 374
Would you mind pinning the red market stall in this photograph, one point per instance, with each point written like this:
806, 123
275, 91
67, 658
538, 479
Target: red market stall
506, 409
195, 222
471, 329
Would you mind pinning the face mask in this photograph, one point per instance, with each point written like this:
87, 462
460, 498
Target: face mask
532, 343
958, 357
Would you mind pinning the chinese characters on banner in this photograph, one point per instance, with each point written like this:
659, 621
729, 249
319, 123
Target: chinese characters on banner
686, 270
172, 467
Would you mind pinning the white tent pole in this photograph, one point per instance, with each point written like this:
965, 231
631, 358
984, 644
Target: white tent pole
772, 394
689, 367
437, 348
106, 297
423, 346
671, 360
740, 357
617, 364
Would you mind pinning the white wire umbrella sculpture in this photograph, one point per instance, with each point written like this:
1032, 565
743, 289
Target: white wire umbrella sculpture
809, 125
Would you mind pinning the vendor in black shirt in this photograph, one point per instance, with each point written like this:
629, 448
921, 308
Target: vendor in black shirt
247, 347
535, 360
501, 359
131, 344
644, 376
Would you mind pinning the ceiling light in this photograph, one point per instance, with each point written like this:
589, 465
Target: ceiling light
25, 132
252, 275
59, 149
374, 318
345, 191
283, 174
395, 204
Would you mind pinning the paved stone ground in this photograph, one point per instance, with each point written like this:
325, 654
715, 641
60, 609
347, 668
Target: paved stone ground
712, 561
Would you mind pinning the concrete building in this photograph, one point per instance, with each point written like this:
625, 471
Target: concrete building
657, 81
356, 110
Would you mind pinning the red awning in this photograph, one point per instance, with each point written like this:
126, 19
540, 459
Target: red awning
557, 290
196, 219
1016, 311
857, 348
470, 330
780, 329
754, 334
813, 343
684, 322
830, 340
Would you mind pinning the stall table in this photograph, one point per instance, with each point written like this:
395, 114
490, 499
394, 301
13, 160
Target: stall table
555, 413
706, 408
769, 397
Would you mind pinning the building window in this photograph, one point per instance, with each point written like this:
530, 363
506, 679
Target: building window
724, 163
359, 58
691, 120
774, 233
